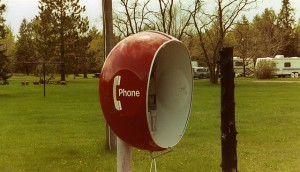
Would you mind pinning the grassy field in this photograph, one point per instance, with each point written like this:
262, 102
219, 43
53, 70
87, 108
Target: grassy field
65, 131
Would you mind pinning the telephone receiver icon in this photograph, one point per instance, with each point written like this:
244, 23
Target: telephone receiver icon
117, 103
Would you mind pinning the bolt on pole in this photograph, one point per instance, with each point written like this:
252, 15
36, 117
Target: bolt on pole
228, 129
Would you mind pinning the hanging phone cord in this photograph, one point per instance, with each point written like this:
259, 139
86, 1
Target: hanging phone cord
153, 158
153, 161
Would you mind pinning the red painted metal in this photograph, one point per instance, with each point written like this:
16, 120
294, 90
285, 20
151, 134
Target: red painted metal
128, 65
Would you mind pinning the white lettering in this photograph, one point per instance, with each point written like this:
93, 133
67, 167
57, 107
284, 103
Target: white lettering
129, 93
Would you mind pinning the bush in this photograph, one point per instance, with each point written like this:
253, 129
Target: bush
265, 69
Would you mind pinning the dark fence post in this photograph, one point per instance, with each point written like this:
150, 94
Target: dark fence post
228, 130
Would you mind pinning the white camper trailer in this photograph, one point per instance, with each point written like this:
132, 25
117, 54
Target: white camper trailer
238, 66
285, 66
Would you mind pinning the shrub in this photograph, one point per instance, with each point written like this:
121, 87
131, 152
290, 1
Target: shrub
265, 69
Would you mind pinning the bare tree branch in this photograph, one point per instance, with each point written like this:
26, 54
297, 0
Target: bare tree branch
214, 27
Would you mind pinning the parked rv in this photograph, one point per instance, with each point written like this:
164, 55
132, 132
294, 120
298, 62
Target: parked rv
238, 66
194, 63
285, 66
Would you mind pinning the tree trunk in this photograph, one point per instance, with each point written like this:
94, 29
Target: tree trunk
85, 75
244, 67
27, 70
62, 70
214, 75
111, 138
214, 78
62, 49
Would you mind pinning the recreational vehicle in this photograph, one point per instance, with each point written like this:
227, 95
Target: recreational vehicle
285, 66
238, 66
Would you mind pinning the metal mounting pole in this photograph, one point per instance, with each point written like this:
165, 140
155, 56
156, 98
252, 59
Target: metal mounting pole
228, 130
124, 156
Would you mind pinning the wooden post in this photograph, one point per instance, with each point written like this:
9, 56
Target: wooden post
124, 156
111, 138
228, 130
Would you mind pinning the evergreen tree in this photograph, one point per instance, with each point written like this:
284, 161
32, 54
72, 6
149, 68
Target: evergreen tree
286, 21
83, 58
45, 35
46, 41
65, 24
286, 18
25, 49
96, 49
297, 39
268, 39
10, 45
5, 70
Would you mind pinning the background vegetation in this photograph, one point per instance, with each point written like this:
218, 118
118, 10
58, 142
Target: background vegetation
62, 37
65, 131
265, 69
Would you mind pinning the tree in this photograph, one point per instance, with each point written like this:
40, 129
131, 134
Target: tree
212, 28
82, 59
133, 18
63, 18
5, 70
173, 18
296, 34
25, 48
269, 40
170, 18
96, 49
242, 40
286, 22
10, 46
45, 35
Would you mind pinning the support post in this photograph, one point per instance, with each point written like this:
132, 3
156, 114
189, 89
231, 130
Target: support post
228, 130
111, 138
124, 156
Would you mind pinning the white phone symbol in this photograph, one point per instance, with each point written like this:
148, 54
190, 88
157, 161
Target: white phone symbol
117, 81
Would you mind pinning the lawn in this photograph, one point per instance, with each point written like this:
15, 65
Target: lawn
65, 131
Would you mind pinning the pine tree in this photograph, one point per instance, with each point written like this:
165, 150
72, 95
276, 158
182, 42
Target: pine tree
286, 21
66, 25
5, 70
45, 34
24, 48
10, 44
96, 49
286, 16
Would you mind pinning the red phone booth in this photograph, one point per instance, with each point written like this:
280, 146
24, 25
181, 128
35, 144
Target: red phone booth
145, 89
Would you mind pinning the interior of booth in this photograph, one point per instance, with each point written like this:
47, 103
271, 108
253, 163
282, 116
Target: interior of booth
169, 94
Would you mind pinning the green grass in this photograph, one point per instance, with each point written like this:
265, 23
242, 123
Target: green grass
65, 131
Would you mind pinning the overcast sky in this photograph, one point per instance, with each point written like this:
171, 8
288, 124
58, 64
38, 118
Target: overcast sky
17, 10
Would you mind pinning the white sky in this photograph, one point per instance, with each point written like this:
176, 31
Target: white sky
276, 5
17, 10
